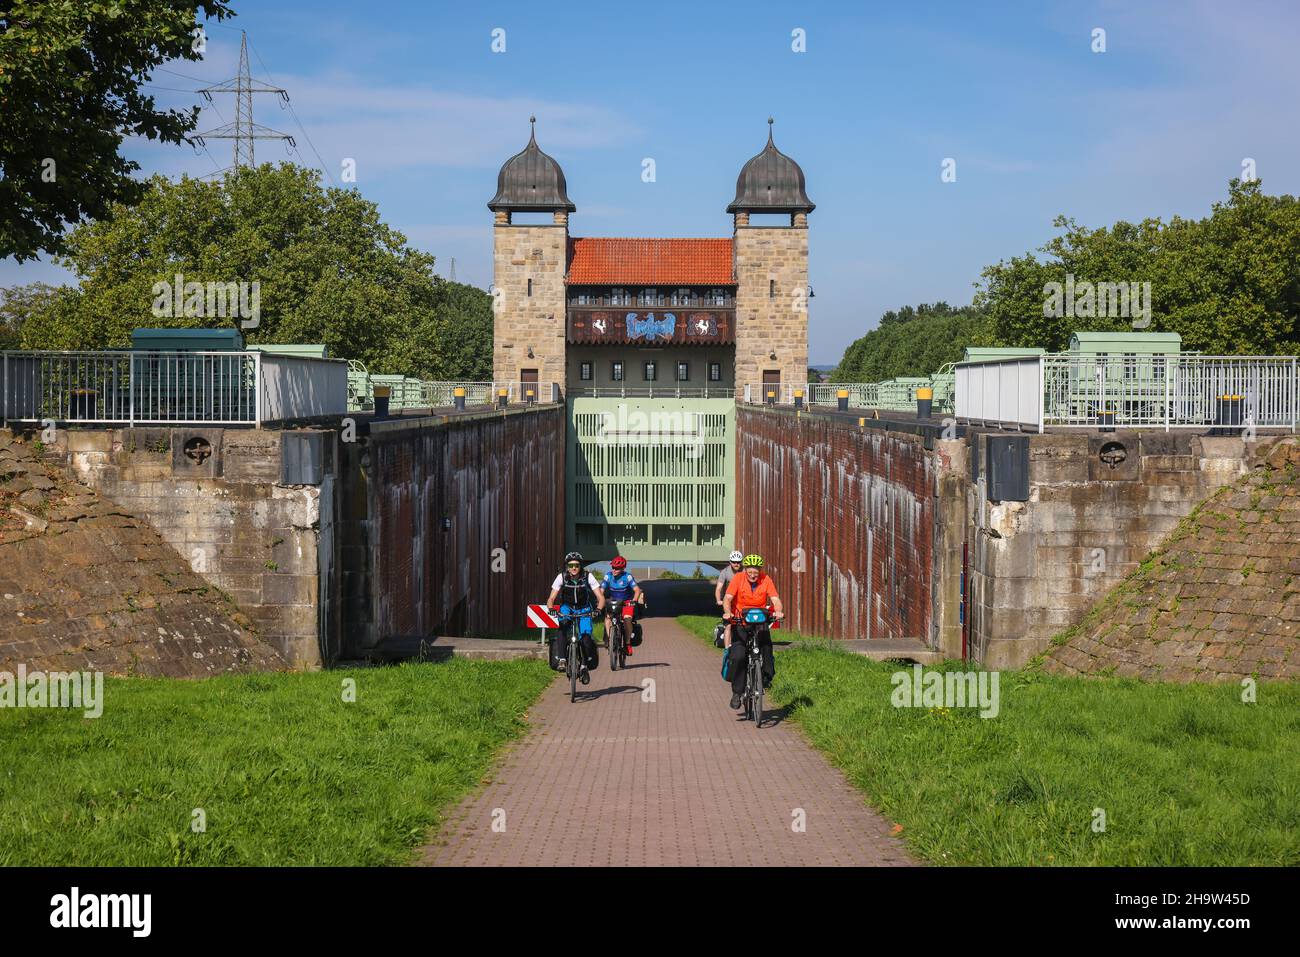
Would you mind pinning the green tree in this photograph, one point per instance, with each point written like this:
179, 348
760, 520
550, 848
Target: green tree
70, 91
1228, 283
913, 342
328, 270
20, 303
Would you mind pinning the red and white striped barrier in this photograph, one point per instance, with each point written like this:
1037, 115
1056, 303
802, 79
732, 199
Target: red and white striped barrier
539, 616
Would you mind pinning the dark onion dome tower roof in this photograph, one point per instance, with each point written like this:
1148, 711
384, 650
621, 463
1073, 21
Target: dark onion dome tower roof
771, 183
531, 181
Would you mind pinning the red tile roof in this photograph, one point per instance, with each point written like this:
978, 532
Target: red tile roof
699, 262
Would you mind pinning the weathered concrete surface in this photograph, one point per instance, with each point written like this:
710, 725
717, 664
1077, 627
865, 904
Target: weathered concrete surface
1037, 567
1220, 599
84, 585
450, 524
224, 512
893, 649
845, 518
679, 780
443, 647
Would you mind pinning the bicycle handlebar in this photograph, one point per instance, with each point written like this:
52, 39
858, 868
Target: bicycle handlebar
590, 612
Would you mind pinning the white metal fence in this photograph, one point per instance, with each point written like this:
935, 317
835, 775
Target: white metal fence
301, 387
1134, 391
130, 387
1007, 391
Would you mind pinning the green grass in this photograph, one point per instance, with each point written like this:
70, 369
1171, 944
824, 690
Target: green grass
1186, 774
285, 771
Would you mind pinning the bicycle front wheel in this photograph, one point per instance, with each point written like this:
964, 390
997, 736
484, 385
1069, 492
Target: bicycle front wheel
614, 642
573, 669
756, 682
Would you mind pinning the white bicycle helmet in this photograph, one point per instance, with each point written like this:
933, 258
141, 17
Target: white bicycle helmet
736, 556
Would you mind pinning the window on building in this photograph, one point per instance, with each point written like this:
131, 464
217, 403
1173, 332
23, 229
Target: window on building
650, 372
651, 297
530, 287
581, 299
771, 289
619, 297
682, 297
718, 297
616, 370
715, 371
584, 371
683, 372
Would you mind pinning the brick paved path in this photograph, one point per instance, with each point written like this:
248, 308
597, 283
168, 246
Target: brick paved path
662, 782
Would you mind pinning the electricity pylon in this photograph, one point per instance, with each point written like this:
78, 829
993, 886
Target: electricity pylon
243, 131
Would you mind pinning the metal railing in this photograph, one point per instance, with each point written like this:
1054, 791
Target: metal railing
406, 392
653, 392
136, 387
435, 395
1076, 390
897, 395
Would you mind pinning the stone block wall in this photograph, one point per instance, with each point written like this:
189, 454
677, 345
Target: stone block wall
1037, 567
522, 321
214, 495
767, 323
1220, 600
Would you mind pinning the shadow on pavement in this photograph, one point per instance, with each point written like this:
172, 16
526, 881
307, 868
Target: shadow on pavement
602, 692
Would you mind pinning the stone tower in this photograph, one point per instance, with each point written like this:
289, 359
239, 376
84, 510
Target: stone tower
771, 270
529, 261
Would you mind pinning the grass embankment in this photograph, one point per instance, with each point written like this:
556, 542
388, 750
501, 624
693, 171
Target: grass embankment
284, 770
1186, 774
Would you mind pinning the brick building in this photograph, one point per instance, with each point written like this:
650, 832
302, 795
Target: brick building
696, 314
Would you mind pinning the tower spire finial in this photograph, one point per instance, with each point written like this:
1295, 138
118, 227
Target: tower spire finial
770, 121
532, 128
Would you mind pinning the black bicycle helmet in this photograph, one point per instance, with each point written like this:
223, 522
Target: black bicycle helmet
573, 557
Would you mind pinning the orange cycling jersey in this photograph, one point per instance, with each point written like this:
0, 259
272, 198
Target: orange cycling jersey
745, 594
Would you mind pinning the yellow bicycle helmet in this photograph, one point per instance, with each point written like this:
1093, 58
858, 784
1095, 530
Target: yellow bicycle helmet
752, 561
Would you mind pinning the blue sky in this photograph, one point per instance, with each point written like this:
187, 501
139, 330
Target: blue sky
1037, 122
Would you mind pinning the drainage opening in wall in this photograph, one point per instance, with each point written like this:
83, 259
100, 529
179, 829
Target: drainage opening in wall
197, 450
1113, 453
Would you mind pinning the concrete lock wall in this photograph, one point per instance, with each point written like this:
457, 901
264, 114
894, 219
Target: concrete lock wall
864, 529
450, 524
1038, 566
845, 518
215, 496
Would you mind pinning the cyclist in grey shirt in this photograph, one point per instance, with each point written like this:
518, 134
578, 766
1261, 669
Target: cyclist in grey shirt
724, 581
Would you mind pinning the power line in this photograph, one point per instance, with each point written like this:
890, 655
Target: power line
243, 131
183, 76
294, 113
169, 89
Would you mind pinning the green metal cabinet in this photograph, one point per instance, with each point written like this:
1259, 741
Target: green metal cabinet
1127, 373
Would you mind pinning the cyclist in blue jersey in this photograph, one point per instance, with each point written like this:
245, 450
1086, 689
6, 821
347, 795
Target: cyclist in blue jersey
619, 585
